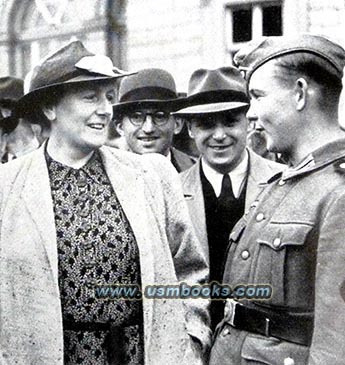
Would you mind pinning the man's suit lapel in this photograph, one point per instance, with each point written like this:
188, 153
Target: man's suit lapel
180, 160
36, 194
194, 197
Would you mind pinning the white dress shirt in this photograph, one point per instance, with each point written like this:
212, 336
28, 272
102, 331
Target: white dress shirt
237, 176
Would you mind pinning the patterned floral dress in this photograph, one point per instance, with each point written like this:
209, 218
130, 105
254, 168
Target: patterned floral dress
96, 247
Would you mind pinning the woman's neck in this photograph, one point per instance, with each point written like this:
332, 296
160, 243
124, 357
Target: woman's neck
62, 153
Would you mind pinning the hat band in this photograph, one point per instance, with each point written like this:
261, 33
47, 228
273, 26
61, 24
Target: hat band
38, 84
148, 93
217, 96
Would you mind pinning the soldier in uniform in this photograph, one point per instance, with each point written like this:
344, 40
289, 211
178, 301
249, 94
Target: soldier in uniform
292, 238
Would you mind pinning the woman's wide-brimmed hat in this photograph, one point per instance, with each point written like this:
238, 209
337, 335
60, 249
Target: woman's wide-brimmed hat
148, 87
71, 64
214, 91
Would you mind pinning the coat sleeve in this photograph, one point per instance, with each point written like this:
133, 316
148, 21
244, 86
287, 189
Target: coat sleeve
329, 324
189, 261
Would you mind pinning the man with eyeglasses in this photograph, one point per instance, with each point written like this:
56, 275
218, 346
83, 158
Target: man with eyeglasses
221, 186
143, 115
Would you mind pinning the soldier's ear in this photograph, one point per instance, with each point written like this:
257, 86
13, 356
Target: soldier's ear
301, 93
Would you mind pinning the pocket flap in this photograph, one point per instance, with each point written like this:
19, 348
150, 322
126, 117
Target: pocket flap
278, 235
272, 351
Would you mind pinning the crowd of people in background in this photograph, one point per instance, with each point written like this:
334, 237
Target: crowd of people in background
95, 194
22, 135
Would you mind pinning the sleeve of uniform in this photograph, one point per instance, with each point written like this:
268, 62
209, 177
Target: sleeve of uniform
189, 261
328, 344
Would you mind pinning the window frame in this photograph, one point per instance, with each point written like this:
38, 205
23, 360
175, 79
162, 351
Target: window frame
257, 20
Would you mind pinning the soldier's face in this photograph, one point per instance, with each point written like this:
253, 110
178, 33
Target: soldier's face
272, 108
220, 138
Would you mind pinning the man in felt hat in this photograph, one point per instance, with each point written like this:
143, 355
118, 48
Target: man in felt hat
77, 217
292, 239
143, 115
220, 187
17, 135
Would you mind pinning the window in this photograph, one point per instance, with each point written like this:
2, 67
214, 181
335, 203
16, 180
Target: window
242, 25
252, 19
272, 20
32, 29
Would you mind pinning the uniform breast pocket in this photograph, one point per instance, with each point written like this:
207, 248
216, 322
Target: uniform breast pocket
279, 244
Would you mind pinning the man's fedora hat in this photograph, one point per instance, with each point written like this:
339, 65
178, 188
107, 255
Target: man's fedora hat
258, 52
152, 86
11, 90
71, 64
214, 91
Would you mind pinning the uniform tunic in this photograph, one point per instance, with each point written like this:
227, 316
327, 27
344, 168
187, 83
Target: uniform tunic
293, 238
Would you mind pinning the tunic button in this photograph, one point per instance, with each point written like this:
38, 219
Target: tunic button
277, 242
90, 284
281, 182
245, 254
226, 331
84, 212
82, 181
84, 197
342, 165
260, 217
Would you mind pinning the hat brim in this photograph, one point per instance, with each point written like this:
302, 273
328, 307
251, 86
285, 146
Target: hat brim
25, 103
210, 108
171, 104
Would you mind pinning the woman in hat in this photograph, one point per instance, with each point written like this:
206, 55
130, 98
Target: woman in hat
77, 218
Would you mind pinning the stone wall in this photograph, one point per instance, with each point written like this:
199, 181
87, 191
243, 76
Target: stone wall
165, 34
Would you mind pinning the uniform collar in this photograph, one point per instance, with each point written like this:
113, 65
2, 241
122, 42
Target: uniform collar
321, 157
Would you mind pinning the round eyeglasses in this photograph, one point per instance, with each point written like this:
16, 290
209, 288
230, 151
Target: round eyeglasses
159, 117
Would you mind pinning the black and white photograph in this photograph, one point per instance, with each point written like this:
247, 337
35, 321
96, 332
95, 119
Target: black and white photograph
172, 182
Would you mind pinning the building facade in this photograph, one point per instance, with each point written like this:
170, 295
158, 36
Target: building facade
176, 35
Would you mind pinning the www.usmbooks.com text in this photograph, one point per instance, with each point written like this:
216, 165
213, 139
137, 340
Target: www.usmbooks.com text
214, 291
